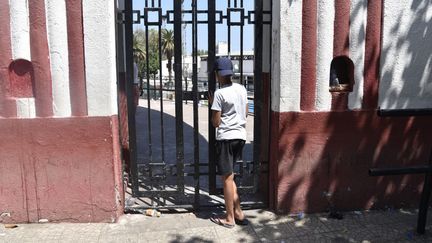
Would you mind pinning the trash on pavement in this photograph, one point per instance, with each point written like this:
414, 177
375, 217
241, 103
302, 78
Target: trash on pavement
10, 226
152, 213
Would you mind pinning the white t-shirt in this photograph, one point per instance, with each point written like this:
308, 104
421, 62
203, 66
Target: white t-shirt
231, 101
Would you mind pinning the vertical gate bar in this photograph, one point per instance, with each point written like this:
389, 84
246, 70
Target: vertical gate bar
148, 88
235, 3
160, 89
424, 201
153, 4
258, 88
229, 28
195, 100
178, 93
241, 45
129, 98
212, 86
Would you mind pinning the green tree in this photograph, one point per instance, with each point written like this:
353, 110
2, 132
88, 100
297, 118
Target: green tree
147, 52
139, 51
202, 52
168, 48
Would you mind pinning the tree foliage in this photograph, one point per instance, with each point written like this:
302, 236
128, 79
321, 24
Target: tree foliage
142, 55
168, 48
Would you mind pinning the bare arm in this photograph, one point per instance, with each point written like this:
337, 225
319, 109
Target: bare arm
247, 108
216, 118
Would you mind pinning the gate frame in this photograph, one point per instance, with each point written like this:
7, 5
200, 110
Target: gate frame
258, 97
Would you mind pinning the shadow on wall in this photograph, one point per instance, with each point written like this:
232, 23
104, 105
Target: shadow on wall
406, 58
326, 167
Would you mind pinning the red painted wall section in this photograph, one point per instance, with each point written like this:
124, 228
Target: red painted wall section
309, 55
60, 169
322, 159
274, 160
341, 28
7, 105
76, 57
21, 78
372, 54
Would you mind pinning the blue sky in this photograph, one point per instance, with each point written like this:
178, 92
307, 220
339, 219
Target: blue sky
221, 29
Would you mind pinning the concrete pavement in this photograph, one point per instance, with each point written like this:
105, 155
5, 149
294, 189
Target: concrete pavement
364, 226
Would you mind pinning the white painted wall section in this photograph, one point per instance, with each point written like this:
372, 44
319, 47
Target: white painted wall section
100, 57
58, 50
357, 47
326, 14
20, 29
287, 42
26, 108
406, 59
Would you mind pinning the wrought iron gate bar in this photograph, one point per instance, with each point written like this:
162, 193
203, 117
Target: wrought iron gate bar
178, 94
244, 205
148, 91
250, 17
161, 85
195, 100
128, 32
211, 4
229, 28
147, 22
241, 41
258, 85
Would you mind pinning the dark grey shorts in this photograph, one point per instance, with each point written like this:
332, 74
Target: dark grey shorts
227, 153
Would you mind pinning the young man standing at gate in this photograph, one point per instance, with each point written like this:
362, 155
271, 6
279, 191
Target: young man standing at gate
229, 111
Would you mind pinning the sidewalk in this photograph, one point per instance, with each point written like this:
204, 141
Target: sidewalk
365, 226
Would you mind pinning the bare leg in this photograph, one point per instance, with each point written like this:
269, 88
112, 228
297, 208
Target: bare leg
238, 213
229, 197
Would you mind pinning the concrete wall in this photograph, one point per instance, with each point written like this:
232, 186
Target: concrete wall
406, 63
323, 141
59, 155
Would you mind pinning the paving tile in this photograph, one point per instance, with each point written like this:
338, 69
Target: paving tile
186, 235
308, 225
114, 238
349, 222
236, 234
367, 226
273, 232
265, 217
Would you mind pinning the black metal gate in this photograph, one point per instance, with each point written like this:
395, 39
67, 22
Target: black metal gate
171, 151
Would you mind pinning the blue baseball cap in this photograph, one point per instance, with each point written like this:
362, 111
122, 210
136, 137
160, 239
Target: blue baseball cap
224, 66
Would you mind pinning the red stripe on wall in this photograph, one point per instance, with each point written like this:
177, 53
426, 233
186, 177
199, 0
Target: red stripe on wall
341, 28
7, 105
372, 54
309, 59
40, 59
77, 81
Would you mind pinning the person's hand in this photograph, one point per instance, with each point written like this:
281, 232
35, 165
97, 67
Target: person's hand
210, 98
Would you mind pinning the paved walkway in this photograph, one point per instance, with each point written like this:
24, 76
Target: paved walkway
368, 226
